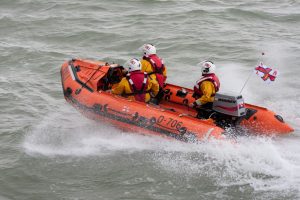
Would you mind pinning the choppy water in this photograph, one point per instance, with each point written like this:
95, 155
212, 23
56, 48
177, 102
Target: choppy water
49, 151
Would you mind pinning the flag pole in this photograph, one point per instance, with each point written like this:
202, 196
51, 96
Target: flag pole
250, 75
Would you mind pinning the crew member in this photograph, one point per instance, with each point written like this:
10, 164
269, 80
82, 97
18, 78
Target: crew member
136, 85
154, 67
206, 87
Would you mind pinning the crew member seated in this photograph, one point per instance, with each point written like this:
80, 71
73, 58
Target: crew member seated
113, 76
154, 67
205, 90
136, 85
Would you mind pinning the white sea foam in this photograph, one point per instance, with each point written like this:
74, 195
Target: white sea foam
262, 163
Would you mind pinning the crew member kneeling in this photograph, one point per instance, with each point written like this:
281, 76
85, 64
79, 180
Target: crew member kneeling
136, 85
154, 67
206, 88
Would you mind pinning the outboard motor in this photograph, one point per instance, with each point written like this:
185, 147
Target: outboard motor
229, 109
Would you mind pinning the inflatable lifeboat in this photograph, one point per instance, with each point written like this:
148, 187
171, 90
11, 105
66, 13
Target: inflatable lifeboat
86, 85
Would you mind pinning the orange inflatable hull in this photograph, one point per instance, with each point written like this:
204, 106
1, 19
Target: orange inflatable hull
171, 118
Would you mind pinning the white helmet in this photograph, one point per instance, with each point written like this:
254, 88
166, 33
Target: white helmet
208, 67
148, 49
133, 65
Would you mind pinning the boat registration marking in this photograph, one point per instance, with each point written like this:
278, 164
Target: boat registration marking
173, 123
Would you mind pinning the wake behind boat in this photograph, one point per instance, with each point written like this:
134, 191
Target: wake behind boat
86, 86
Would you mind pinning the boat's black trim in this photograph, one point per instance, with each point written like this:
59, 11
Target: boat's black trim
74, 71
249, 113
279, 118
136, 120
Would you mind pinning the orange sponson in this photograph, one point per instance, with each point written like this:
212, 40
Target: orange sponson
80, 80
86, 86
265, 122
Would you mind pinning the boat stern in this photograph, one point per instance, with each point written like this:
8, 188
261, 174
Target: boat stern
265, 122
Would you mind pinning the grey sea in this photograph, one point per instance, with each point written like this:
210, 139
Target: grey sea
48, 150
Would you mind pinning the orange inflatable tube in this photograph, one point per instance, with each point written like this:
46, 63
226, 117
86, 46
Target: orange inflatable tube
86, 86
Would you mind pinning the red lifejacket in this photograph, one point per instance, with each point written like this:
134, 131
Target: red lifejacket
138, 82
158, 68
207, 77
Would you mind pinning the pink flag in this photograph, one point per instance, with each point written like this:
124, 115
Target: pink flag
266, 73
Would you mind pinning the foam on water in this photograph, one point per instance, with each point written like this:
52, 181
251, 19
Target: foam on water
259, 162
